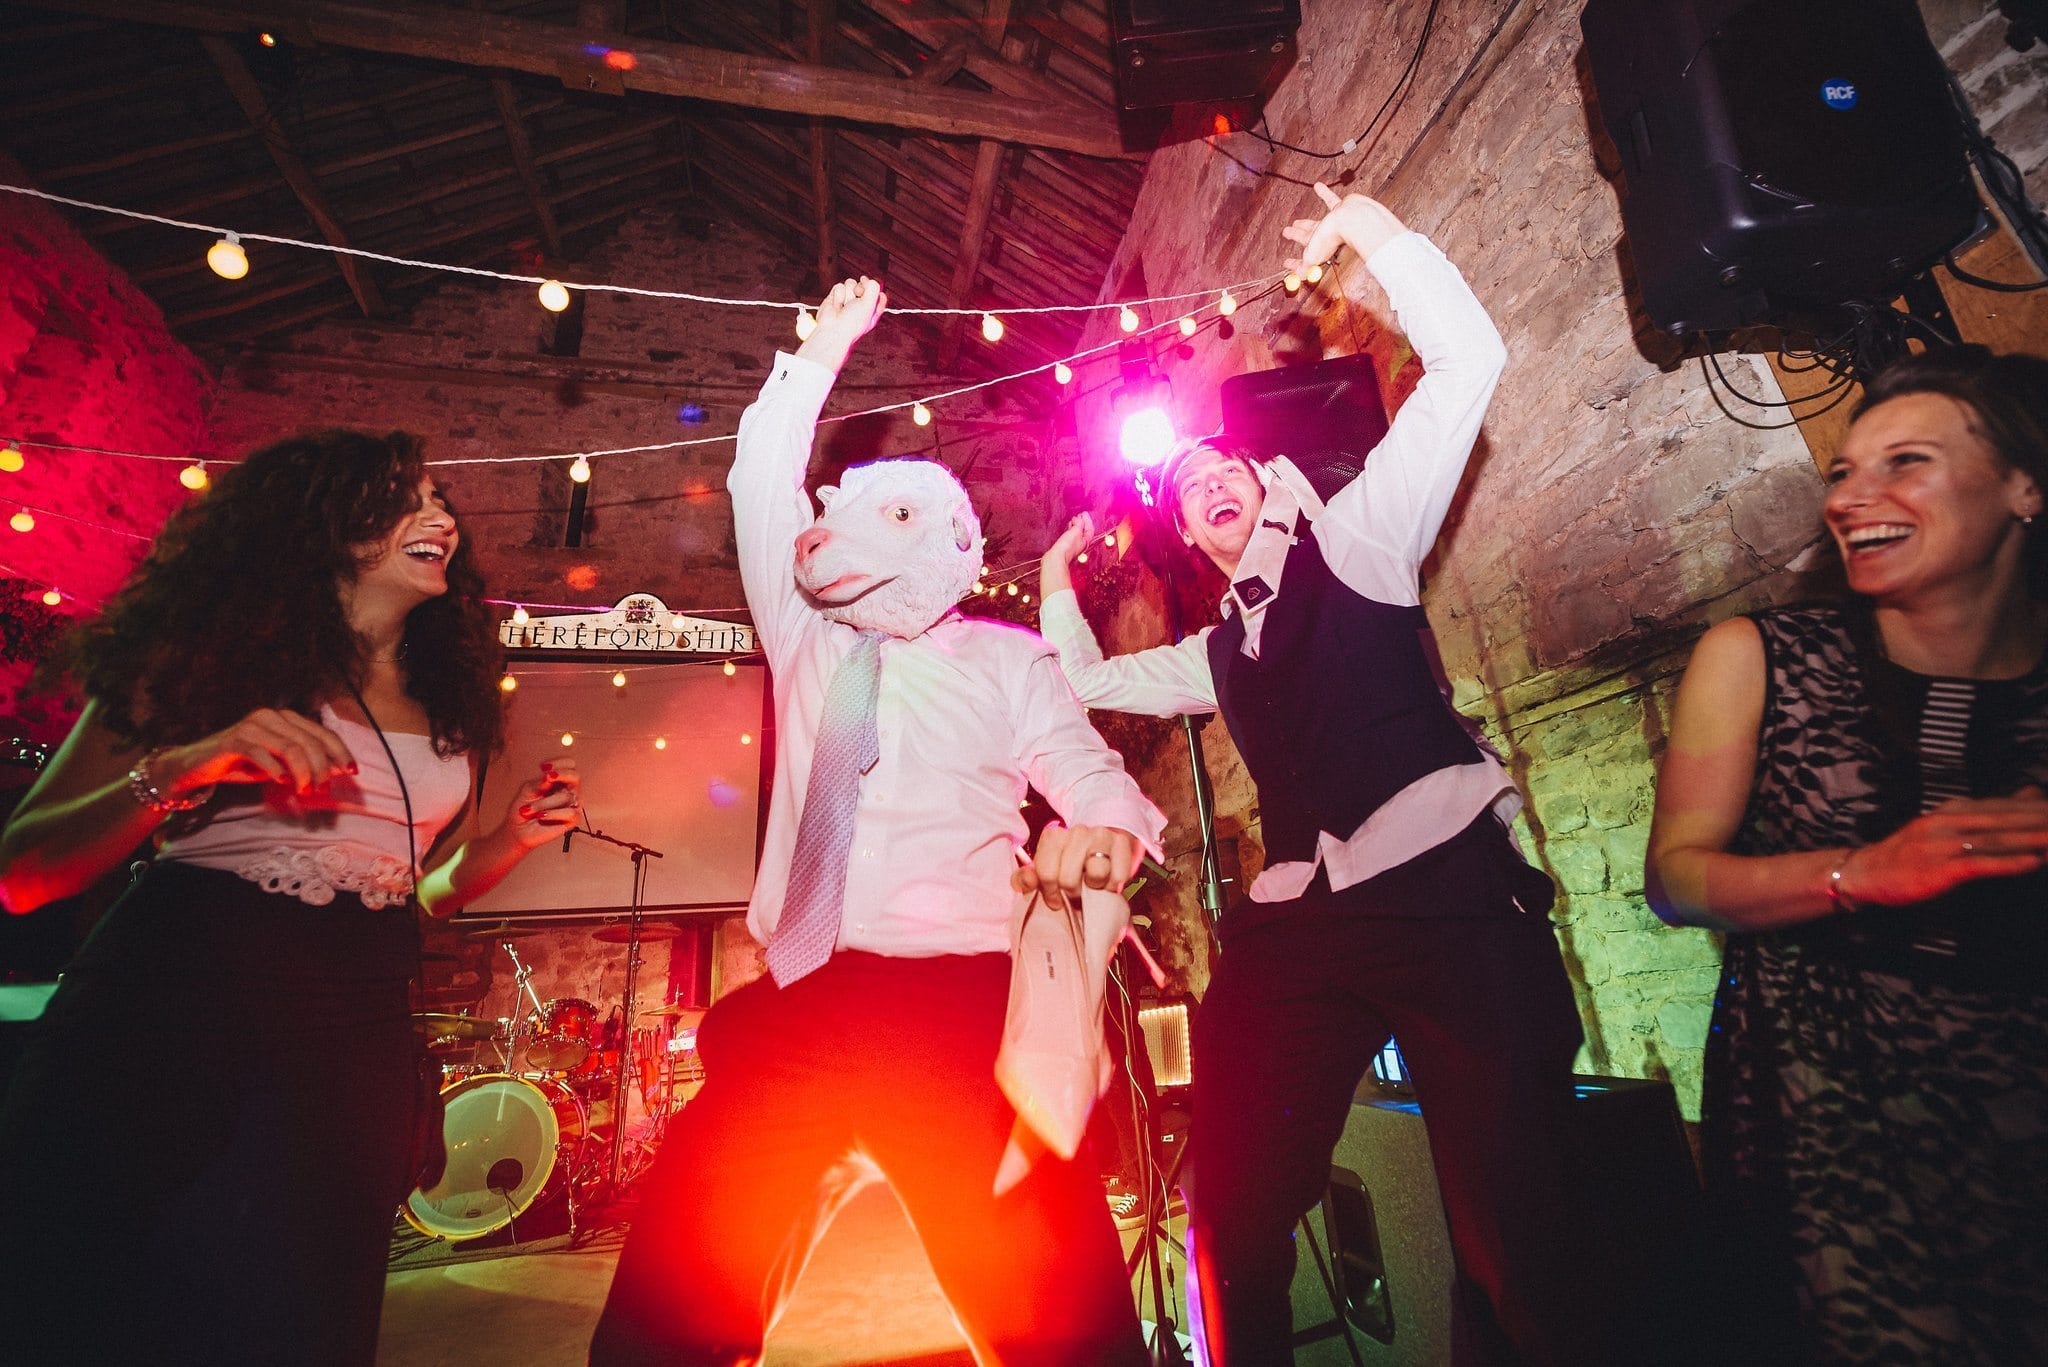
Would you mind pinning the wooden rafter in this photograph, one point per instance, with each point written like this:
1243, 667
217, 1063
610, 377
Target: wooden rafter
981, 198
522, 162
818, 21
501, 41
241, 83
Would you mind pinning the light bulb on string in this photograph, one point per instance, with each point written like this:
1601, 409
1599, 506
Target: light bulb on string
1109, 540
568, 738
619, 679
11, 459
580, 470
1081, 559
1187, 326
1013, 590
676, 623
661, 742
920, 415
1226, 303
730, 668
1026, 600
554, 296
806, 323
1315, 274
227, 259
193, 476
746, 738
267, 39
23, 521
1128, 320
520, 616
1292, 283
52, 598
991, 327
507, 684
1062, 373
980, 586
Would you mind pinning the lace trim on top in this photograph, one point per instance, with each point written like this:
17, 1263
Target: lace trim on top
314, 876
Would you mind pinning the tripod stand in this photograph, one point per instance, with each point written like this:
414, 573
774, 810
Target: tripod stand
1156, 1186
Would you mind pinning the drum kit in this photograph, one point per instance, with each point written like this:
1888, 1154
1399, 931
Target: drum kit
533, 1099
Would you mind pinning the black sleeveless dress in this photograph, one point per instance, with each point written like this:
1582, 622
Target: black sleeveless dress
1876, 1092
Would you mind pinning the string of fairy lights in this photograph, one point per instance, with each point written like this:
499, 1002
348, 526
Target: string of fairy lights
228, 258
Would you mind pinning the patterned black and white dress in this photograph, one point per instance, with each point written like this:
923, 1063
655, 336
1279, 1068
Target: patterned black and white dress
1876, 1095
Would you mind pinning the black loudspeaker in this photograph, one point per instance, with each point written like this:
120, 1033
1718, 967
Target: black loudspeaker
1327, 416
1380, 1269
1182, 51
1778, 160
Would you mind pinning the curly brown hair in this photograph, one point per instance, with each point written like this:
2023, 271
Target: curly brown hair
238, 604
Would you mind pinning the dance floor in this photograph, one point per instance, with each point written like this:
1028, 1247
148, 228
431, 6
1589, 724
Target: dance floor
867, 1298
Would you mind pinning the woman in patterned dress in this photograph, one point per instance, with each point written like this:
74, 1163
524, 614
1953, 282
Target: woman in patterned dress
207, 1136
1853, 793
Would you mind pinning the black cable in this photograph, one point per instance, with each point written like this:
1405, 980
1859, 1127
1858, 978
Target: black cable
1767, 403
1767, 426
1421, 42
2002, 286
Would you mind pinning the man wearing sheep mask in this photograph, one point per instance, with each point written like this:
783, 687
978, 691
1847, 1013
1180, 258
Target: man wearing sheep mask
907, 737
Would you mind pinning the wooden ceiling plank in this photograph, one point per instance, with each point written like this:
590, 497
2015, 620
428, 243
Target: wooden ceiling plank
502, 41
241, 83
522, 161
819, 17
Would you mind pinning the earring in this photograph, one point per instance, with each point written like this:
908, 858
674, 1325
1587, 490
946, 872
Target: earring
2027, 520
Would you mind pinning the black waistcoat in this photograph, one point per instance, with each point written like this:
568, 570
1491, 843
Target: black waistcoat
1340, 711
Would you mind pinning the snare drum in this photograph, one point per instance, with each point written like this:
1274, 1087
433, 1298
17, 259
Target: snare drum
505, 1137
564, 1035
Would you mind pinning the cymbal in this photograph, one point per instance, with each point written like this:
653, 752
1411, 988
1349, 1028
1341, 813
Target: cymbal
502, 931
675, 1011
448, 1025
649, 930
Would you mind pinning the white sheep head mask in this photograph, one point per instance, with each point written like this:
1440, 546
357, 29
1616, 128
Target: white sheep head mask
900, 546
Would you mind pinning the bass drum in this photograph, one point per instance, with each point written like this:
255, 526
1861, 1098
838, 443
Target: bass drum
505, 1136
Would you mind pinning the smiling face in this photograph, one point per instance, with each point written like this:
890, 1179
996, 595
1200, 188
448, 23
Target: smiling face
409, 563
1218, 500
1919, 501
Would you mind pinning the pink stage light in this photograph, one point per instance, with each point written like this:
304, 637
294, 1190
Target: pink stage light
1146, 437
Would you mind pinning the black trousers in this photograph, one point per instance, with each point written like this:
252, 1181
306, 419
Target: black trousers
1438, 954
209, 1134
870, 1063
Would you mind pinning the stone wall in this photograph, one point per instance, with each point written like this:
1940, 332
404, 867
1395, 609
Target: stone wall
1612, 511
85, 360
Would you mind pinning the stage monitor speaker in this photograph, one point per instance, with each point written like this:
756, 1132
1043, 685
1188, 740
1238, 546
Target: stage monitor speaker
1777, 160
1384, 1279
1327, 415
1169, 52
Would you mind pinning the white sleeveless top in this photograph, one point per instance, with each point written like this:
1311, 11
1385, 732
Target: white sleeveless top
348, 837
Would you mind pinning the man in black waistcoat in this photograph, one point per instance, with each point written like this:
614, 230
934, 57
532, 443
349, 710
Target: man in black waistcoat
1394, 898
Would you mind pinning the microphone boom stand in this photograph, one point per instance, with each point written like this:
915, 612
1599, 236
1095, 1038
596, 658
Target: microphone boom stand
640, 854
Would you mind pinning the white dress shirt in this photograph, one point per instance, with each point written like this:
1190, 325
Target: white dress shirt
1373, 534
969, 713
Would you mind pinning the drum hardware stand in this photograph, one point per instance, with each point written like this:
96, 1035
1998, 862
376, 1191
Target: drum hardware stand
620, 1091
523, 994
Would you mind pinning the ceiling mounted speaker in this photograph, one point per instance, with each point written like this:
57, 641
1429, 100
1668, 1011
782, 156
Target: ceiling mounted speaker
1777, 159
1168, 52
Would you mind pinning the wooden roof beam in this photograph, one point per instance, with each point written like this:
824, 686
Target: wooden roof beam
818, 21
241, 83
665, 68
522, 162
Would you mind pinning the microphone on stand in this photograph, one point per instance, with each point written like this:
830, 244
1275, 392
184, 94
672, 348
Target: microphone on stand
565, 839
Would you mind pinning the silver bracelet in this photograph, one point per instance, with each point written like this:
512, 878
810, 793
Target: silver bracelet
1841, 899
145, 790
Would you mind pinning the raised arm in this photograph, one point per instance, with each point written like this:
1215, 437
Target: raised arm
1165, 681
1704, 788
1378, 529
769, 505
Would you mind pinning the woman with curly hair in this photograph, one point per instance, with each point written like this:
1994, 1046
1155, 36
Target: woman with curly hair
1853, 793
203, 1147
